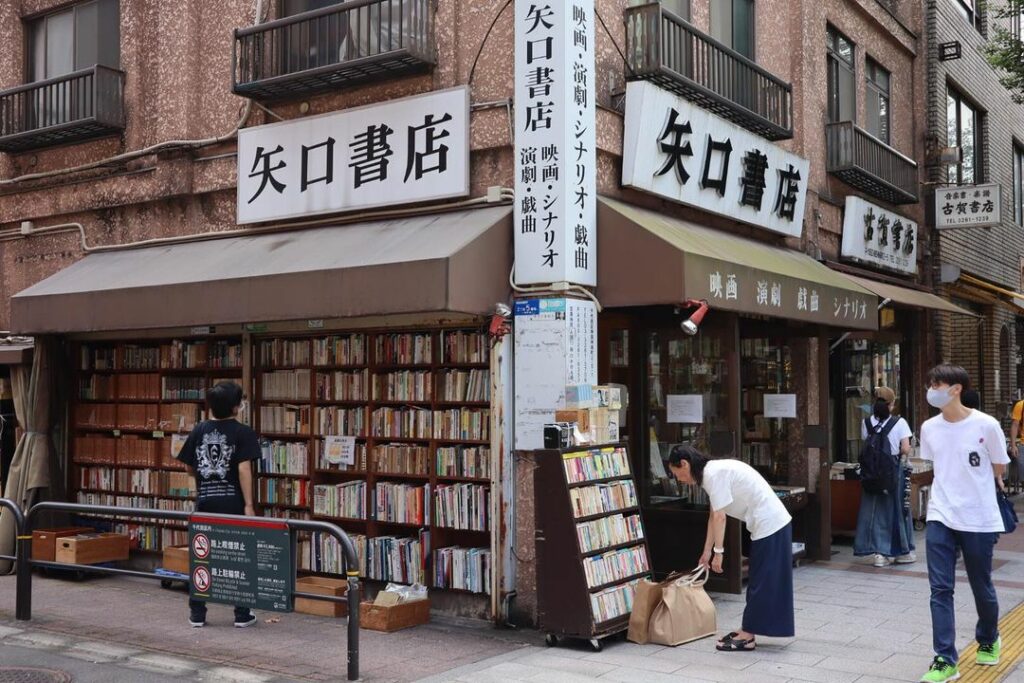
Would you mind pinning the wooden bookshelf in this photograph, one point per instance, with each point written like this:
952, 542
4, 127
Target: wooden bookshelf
131, 397
591, 544
392, 390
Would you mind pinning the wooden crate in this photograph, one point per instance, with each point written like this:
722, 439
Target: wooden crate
321, 585
92, 548
44, 541
389, 618
176, 559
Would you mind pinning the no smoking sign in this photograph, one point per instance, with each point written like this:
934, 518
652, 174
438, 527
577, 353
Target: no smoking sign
201, 546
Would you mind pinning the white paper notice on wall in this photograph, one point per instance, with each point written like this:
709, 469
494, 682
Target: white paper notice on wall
686, 408
780, 405
340, 450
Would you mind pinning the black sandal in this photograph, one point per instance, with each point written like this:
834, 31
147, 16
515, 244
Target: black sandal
736, 645
728, 636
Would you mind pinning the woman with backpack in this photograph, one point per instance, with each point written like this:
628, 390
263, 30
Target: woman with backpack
884, 528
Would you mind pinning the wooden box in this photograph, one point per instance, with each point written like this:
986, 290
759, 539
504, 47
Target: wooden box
389, 618
44, 541
92, 548
176, 559
321, 585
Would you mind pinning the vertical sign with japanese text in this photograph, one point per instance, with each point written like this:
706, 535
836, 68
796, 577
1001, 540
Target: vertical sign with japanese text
676, 149
239, 561
413, 149
555, 142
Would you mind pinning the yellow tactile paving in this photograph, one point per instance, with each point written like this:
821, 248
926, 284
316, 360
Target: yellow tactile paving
1011, 629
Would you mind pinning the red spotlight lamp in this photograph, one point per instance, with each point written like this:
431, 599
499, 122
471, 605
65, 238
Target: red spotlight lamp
691, 324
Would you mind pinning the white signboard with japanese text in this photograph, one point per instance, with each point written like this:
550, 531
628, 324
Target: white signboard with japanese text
780, 405
413, 149
675, 149
968, 206
879, 237
685, 408
555, 142
555, 347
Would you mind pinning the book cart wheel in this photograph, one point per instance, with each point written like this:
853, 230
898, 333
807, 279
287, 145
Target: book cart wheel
551, 640
595, 643
166, 584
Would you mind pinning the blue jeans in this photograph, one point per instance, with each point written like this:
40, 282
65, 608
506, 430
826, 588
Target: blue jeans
884, 526
977, 551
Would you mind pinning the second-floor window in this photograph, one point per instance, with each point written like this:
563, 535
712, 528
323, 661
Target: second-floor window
680, 8
963, 131
1018, 184
732, 23
842, 85
970, 10
75, 38
877, 100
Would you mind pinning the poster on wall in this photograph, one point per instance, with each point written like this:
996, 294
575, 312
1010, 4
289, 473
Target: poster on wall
685, 408
555, 213
678, 150
412, 149
555, 347
780, 406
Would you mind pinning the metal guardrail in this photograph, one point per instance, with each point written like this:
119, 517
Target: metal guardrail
24, 562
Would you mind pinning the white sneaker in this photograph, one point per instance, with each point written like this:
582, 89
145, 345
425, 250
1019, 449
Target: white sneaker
882, 561
909, 558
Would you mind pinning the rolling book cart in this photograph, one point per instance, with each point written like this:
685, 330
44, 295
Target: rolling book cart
590, 541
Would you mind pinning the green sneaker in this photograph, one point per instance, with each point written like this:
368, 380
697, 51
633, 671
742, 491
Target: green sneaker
988, 655
941, 671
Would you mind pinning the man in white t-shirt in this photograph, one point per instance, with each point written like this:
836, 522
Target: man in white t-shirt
969, 454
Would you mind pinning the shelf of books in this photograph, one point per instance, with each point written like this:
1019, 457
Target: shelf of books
387, 435
135, 404
591, 548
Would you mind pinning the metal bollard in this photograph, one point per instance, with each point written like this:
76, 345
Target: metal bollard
353, 625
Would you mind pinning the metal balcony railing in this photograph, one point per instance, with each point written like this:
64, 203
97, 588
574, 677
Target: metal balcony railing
669, 51
863, 161
78, 106
347, 44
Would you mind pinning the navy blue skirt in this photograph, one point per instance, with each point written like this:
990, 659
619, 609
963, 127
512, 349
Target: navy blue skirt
769, 609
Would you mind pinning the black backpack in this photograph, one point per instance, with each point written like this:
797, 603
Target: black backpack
877, 462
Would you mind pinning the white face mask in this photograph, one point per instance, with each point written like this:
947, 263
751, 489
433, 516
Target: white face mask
939, 398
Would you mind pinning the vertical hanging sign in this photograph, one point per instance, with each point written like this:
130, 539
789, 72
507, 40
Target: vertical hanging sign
555, 142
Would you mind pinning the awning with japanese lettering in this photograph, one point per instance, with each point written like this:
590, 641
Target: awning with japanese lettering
646, 258
910, 297
456, 261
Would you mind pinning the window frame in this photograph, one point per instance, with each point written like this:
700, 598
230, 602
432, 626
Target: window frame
751, 37
968, 9
834, 62
961, 101
1018, 182
875, 92
30, 22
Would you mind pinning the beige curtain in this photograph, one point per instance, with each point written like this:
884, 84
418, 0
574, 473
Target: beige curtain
30, 468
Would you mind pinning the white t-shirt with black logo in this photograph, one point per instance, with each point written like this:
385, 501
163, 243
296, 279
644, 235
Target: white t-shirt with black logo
963, 495
736, 488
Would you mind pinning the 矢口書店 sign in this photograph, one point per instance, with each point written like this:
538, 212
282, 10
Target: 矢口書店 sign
413, 149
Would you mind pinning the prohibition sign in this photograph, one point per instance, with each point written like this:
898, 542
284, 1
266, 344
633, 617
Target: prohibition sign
201, 546
201, 579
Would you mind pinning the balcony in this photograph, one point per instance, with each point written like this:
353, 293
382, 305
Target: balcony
863, 161
672, 53
79, 106
351, 43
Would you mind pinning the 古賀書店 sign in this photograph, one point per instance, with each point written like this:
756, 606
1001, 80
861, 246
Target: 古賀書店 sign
413, 149
679, 151
879, 237
968, 206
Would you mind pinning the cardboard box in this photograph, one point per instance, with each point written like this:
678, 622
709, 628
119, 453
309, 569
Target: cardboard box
581, 418
92, 548
176, 559
44, 541
390, 618
321, 585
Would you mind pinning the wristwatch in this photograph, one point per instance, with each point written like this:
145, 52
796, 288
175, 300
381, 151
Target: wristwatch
718, 551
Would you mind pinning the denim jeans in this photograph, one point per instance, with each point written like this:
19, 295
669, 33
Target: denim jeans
977, 552
197, 610
884, 526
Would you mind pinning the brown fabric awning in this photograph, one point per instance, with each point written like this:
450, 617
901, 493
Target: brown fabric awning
646, 258
910, 297
455, 262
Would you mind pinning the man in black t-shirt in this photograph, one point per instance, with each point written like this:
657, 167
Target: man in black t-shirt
219, 453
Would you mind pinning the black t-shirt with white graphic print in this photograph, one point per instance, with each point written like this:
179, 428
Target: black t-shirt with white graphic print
214, 450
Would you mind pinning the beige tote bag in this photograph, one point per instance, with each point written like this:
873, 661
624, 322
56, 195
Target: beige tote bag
685, 612
647, 597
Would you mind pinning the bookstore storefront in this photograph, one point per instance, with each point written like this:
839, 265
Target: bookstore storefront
752, 383
368, 368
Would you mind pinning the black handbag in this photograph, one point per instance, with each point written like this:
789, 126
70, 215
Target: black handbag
1006, 510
